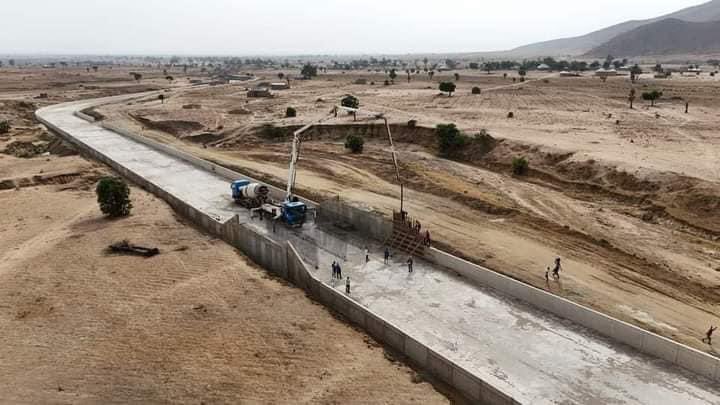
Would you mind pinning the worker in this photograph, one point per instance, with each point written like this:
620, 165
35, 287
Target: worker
547, 275
410, 264
334, 269
338, 271
418, 227
556, 269
708, 335
367, 255
387, 254
427, 238
347, 286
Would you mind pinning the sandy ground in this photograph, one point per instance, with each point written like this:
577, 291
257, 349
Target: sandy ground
628, 198
198, 323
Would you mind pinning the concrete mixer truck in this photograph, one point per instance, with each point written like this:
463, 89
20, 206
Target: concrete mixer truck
249, 195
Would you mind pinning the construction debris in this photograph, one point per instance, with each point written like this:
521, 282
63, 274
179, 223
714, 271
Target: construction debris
125, 247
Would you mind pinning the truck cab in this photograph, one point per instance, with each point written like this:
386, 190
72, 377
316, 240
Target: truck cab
294, 213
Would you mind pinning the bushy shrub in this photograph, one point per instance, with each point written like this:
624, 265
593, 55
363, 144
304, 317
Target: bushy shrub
350, 101
412, 123
290, 112
511, 114
309, 71
476, 90
113, 196
652, 96
4, 127
355, 143
520, 166
450, 139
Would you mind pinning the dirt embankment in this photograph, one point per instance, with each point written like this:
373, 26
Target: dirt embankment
176, 128
690, 202
657, 196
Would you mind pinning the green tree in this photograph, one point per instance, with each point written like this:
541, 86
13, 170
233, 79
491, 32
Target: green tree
113, 196
290, 112
522, 73
350, 101
450, 139
520, 166
355, 143
474, 66
457, 76
4, 127
631, 97
309, 71
448, 87
136, 76
161, 97
652, 96
392, 75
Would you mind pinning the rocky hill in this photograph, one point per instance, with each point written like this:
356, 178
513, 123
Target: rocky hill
665, 37
580, 45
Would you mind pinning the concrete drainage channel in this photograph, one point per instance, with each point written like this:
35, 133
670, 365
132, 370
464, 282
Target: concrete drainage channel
283, 259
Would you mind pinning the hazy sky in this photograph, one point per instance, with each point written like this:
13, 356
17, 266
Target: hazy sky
240, 27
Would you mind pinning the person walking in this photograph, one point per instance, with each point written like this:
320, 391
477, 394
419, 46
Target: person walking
708, 335
556, 269
338, 271
347, 286
427, 238
334, 269
387, 255
410, 264
547, 275
367, 255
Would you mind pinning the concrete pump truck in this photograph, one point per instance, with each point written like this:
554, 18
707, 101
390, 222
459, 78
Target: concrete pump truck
291, 211
256, 197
